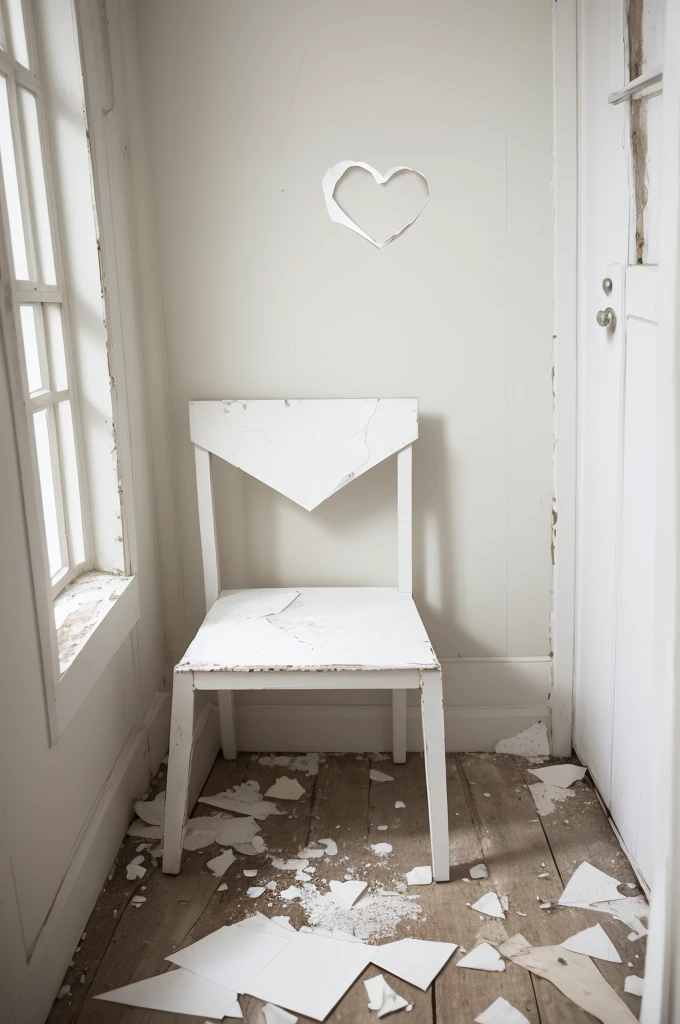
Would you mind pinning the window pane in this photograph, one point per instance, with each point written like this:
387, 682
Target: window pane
69, 467
9, 174
36, 184
37, 378
48, 490
17, 31
55, 340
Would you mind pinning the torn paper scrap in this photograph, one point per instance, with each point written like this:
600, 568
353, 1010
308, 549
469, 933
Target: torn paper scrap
331, 846
589, 885
382, 849
253, 847
250, 872
231, 956
483, 958
593, 942
178, 991
528, 743
151, 811
348, 892
578, 979
135, 869
243, 799
562, 775
501, 1012
286, 789
629, 910
275, 1015
490, 905
338, 215
140, 830
419, 876
254, 891
310, 853
417, 961
479, 871
218, 865
376, 776
546, 797
399, 804
294, 864
634, 985
383, 998
236, 830
291, 893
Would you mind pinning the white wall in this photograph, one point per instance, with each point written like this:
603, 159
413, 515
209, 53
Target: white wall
64, 809
262, 296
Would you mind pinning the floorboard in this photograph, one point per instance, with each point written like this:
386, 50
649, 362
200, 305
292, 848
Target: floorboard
501, 829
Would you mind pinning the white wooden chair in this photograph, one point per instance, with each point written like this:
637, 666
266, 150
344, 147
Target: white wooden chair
308, 638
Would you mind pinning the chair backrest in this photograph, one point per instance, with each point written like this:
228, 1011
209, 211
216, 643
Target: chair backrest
307, 449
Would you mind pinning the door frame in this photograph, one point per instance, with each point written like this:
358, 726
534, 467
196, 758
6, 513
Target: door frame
565, 295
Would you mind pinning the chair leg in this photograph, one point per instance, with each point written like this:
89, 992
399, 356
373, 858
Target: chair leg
398, 726
179, 766
435, 771
225, 700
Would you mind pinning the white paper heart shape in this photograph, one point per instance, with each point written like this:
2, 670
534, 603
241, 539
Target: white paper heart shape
333, 176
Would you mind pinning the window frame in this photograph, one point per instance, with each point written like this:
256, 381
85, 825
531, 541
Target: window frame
70, 488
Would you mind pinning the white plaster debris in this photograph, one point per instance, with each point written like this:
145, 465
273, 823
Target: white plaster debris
252, 848
140, 830
490, 905
151, 811
562, 775
218, 865
543, 874
479, 871
399, 804
376, 776
64, 991
291, 893
381, 849
135, 869
375, 916
483, 958
331, 846
307, 763
589, 885
254, 891
501, 1012
383, 828
546, 796
382, 998
528, 743
250, 872
242, 799
348, 892
634, 985
138, 901
275, 1015
593, 942
629, 910
286, 789
419, 876
311, 853
223, 887
293, 864
272, 885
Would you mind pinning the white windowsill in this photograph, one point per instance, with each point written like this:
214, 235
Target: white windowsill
93, 615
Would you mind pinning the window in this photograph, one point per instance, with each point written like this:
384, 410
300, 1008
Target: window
43, 312
66, 367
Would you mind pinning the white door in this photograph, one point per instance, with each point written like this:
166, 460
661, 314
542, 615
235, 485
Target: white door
619, 149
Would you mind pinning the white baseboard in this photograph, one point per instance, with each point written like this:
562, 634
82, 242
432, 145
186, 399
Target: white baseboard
98, 847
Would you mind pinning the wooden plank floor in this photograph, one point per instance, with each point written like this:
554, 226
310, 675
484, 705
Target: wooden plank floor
492, 819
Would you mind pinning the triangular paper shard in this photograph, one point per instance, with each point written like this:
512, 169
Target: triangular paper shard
501, 1012
562, 775
483, 958
178, 991
589, 885
593, 942
307, 449
490, 905
417, 961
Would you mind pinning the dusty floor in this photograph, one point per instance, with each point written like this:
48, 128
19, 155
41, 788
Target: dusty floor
492, 819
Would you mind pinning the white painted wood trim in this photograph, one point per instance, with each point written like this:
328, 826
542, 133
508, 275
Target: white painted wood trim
642, 292
565, 195
179, 769
89, 663
367, 679
405, 519
636, 85
435, 771
206, 522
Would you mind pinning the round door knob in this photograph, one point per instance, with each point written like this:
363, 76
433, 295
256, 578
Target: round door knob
607, 318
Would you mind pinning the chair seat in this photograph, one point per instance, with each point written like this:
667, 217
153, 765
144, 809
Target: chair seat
310, 629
